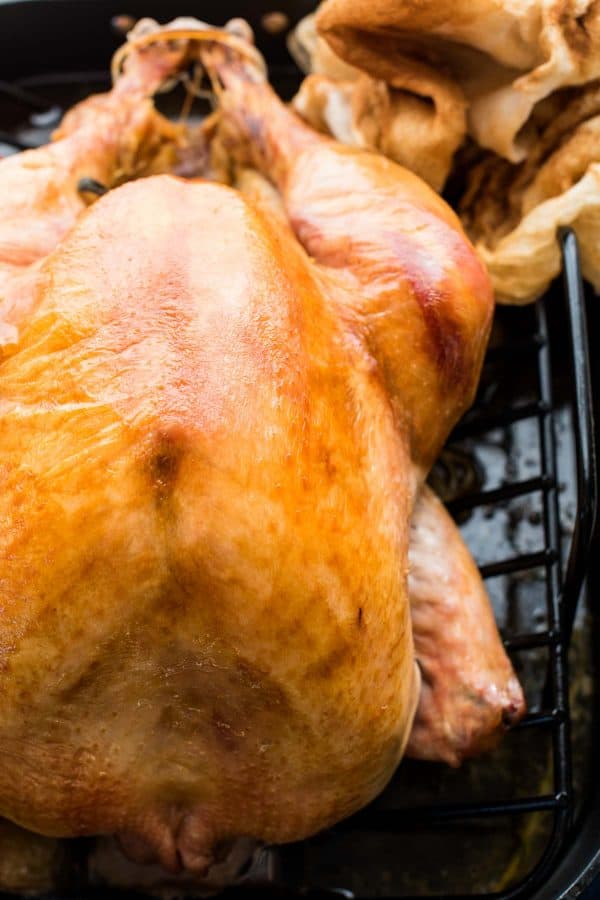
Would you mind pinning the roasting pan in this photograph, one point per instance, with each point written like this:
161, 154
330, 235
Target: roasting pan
520, 476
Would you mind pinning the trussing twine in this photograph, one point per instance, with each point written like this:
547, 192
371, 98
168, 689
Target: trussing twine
200, 34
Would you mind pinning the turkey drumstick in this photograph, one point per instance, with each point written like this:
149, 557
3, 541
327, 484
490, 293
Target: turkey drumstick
108, 138
470, 694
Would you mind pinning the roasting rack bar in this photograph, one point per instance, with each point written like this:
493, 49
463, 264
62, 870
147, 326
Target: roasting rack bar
473, 426
499, 495
520, 563
406, 818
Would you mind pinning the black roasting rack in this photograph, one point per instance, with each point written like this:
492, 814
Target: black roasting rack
528, 342
563, 575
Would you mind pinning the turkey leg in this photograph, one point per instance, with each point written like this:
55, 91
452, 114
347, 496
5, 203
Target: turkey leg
470, 694
106, 139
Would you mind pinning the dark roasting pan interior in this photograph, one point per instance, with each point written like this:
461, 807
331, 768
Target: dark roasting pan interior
518, 474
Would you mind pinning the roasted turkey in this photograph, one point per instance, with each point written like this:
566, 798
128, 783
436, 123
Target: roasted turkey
222, 575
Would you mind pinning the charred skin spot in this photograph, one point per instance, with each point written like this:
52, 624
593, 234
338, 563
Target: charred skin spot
326, 461
446, 338
431, 290
164, 463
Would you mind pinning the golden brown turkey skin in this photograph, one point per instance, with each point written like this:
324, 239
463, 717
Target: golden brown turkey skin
205, 628
207, 452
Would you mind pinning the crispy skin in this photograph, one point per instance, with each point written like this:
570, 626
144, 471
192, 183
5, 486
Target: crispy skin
210, 444
205, 628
